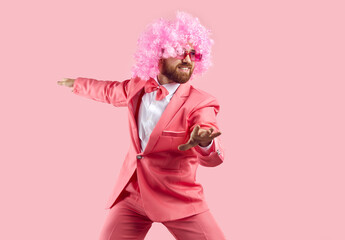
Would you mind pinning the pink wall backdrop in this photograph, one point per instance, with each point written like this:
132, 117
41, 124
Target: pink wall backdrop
278, 74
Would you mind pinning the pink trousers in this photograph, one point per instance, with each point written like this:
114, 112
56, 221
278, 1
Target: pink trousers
127, 220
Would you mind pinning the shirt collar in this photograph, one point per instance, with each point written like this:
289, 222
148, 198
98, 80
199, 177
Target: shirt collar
171, 87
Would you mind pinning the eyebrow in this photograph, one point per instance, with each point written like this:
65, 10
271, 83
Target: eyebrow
192, 50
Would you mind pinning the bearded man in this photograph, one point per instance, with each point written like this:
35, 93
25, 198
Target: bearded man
173, 129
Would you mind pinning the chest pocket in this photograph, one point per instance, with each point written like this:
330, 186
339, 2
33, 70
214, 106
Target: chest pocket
174, 133
175, 139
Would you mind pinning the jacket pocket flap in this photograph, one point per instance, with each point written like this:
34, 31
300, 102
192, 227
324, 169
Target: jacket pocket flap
174, 133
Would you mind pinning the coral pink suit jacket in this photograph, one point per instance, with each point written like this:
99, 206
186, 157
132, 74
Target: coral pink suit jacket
166, 175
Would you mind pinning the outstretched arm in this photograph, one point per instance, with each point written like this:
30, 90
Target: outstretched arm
112, 92
204, 131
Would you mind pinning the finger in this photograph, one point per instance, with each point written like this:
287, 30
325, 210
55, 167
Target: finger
203, 131
62, 82
186, 146
196, 130
191, 143
207, 133
215, 134
183, 147
211, 130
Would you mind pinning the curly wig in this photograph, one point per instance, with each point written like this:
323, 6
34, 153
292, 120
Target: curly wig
164, 39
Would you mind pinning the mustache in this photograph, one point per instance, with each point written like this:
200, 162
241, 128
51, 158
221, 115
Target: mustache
185, 65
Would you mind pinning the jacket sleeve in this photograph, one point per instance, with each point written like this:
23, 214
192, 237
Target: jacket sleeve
111, 92
204, 115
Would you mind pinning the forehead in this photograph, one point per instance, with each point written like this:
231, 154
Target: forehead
189, 46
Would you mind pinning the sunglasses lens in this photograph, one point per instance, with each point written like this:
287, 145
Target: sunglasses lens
197, 56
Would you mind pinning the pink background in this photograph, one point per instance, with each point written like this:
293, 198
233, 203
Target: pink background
278, 74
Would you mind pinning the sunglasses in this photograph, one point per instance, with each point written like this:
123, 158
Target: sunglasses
192, 55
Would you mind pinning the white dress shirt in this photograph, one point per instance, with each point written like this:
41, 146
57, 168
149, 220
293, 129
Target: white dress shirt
151, 110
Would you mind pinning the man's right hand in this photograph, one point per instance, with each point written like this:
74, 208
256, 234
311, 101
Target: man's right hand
68, 82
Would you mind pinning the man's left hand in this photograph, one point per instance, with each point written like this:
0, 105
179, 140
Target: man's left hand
200, 136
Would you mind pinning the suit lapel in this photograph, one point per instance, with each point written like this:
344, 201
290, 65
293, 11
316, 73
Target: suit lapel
133, 107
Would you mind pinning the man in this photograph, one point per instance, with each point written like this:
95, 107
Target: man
173, 129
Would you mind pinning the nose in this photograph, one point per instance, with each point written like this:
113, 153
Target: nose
187, 59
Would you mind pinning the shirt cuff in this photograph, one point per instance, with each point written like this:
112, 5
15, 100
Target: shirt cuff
207, 148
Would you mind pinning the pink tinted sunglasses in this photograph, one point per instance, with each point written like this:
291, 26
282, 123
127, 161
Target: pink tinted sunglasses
194, 56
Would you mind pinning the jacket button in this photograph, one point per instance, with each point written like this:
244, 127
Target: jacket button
218, 151
139, 157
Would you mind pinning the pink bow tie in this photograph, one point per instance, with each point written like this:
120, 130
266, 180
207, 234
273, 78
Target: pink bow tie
151, 85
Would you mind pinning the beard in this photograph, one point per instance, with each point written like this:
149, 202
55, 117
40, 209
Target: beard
174, 74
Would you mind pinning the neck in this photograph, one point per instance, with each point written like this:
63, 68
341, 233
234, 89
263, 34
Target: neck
163, 79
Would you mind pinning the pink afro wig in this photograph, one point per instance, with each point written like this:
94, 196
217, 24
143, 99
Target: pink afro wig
164, 39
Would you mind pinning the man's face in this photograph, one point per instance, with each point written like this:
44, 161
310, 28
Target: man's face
177, 70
